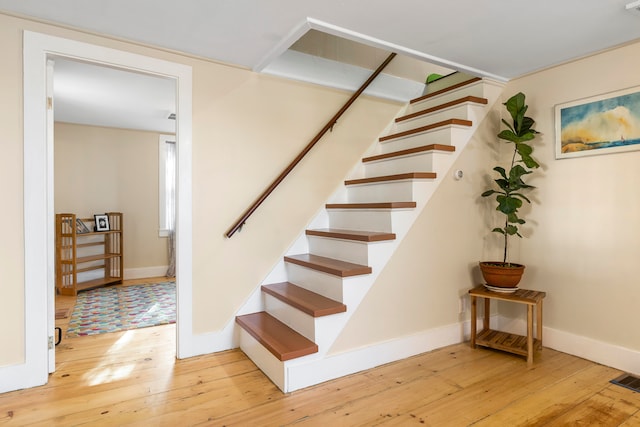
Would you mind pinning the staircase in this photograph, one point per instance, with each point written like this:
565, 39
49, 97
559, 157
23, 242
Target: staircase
302, 316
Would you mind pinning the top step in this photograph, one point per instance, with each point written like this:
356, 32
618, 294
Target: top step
447, 89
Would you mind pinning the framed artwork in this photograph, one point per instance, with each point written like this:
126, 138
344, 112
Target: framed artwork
81, 227
102, 222
602, 124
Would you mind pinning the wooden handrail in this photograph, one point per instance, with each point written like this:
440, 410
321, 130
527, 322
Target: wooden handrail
239, 223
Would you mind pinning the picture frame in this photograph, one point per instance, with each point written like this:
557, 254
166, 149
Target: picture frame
601, 124
102, 222
81, 227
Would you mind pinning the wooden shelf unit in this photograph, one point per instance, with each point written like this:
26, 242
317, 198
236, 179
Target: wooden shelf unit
513, 343
78, 253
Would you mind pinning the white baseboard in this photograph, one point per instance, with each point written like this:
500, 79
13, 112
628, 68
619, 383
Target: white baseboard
144, 272
334, 366
607, 354
339, 365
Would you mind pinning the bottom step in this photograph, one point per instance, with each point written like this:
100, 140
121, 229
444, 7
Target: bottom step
282, 341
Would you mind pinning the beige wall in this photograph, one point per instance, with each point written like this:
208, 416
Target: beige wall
101, 170
585, 240
246, 128
11, 161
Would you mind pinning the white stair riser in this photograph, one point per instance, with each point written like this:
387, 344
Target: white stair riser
345, 250
297, 320
415, 162
396, 191
460, 111
442, 135
361, 220
474, 89
368, 219
267, 362
348, 250
321, 283
320, 330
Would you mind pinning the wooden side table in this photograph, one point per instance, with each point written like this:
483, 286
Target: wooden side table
512, 343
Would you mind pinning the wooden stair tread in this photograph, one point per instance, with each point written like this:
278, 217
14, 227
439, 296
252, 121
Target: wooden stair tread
361, 236
304, 300
389, 178
377, 205
447, 89
332, 266
443, 123
473, 99
282, 341
416, 150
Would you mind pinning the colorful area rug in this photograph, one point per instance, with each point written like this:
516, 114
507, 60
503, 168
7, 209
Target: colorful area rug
119, 308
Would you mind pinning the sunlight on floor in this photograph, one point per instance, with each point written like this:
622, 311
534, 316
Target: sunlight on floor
107, 371
113, 367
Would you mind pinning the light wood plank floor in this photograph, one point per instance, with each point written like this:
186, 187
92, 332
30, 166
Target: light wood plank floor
132, 378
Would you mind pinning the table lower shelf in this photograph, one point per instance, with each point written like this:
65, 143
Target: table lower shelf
506, 342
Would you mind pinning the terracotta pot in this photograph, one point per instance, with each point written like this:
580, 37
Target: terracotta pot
501, 274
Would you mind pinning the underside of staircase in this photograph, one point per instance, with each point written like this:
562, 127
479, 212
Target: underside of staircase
290, 338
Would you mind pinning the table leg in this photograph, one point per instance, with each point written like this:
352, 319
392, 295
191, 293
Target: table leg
529, 334
539, 320
487, 313
473, 320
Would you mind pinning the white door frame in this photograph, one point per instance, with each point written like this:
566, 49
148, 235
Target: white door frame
38, 196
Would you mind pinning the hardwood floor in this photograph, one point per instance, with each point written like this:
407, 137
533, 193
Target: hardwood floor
132, 378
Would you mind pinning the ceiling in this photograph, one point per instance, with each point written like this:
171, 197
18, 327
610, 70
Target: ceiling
502, 39
102, 96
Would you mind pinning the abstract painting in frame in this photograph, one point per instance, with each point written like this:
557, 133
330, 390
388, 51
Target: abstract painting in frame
601, 124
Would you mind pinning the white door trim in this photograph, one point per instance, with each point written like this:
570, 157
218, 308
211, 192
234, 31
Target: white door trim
38, 194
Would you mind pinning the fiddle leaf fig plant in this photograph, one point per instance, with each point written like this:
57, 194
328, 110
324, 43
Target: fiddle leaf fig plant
509, 195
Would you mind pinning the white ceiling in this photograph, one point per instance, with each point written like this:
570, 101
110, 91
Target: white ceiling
101, 96
495, 38
503, 38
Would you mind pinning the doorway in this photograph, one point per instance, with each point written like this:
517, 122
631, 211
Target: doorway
38, 189
107, 158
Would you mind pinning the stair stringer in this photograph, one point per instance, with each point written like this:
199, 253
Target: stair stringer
316, 368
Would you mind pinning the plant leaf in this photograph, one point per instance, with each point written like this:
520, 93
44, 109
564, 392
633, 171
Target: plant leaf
501, 171
508, 205
513, 219
511, 230
508, 135
522, 196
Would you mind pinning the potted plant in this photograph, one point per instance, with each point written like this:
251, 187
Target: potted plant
509, 195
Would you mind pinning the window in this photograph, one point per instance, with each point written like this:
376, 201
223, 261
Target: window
166, 184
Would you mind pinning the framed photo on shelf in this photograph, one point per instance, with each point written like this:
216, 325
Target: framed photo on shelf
602, 124
102, 222
81, 227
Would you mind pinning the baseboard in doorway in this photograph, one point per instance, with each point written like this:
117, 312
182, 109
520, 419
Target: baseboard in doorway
144, 272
